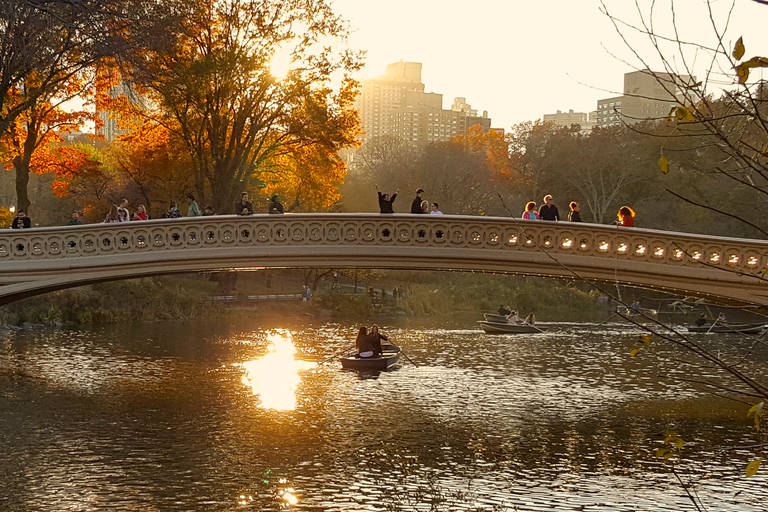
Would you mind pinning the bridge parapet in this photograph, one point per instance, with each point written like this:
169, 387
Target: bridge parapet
387, 241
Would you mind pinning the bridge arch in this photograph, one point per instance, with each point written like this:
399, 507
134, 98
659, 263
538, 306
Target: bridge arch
35, 261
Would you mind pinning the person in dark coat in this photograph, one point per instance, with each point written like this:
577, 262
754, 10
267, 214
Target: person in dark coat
364, 343
21, 221
376, 336
385, 202
275, 206
244, 206
416, 204
548, 211
575, 213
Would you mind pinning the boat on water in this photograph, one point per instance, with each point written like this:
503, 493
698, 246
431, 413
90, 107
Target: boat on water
495, 317
753, 328
388, 358
504, 328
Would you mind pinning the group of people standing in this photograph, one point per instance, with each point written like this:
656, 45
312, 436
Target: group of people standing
418, 205
368, 343
548, 211
121, 213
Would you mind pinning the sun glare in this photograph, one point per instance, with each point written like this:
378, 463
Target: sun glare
274, 377
281, 62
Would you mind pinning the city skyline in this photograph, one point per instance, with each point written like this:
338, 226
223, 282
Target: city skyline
521, 61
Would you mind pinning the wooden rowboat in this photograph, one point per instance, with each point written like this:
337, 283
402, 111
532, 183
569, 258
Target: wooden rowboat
500, 328
755, 328
388, 358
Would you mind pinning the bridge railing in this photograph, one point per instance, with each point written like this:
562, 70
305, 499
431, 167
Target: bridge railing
19, 247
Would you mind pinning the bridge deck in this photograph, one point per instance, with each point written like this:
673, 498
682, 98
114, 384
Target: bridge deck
37, 260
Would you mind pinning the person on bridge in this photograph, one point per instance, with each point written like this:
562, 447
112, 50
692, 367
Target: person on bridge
75, 220
575, 213
113, 215
193, 210
548, 210
435, 210
416, 203
244, 206
173, 212
21, 221
626, 217
425, 207
275, 206
141, 213
385, 202
530, 211
122, 211
208, 211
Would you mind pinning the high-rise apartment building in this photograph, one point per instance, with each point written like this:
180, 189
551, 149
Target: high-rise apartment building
647, 95
395, 103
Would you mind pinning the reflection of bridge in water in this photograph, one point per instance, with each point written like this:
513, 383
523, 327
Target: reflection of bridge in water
35, 261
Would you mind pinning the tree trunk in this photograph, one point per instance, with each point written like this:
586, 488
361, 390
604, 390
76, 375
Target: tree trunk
22, 182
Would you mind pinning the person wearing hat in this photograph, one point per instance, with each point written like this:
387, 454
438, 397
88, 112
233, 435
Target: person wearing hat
275, 206
548, 210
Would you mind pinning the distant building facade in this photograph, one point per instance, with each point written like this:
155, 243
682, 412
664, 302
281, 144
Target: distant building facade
396, 104
586, 121
647, 95
109, 129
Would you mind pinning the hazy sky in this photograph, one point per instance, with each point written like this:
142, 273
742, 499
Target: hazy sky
522, 59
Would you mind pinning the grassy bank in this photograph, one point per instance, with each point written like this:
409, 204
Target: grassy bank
179, 298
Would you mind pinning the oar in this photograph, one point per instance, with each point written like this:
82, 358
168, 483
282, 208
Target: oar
408, 358
711, 326
337, 355
604, 321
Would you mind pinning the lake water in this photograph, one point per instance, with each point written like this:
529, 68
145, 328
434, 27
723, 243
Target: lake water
221, 416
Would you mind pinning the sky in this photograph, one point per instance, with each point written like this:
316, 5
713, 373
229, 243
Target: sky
522, 59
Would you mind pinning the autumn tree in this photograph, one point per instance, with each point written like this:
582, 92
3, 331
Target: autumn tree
215, 91
153, 163
31, 140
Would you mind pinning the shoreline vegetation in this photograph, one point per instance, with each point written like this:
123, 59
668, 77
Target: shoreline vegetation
187, 296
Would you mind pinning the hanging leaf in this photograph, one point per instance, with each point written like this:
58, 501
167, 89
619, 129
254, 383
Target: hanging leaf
664, 164
752, 468
757, 411
665, 453
646, 338
683, 114
673, 439
742, 70
634, 352
738, 49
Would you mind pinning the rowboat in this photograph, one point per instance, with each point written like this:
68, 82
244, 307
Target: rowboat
388, 358
501, 328
493, 317
754, 328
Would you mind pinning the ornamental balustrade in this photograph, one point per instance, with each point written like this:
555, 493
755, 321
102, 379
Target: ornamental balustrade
37, 260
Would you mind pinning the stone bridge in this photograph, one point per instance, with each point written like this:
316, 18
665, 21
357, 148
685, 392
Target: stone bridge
39, 260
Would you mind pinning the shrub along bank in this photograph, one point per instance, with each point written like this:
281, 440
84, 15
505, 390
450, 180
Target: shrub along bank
427, 293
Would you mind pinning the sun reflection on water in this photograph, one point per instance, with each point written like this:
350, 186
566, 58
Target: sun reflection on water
275, 376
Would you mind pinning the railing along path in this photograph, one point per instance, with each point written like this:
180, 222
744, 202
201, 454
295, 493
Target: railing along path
36, 260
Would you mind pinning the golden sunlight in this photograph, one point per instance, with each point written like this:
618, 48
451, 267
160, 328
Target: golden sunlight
275, 376
281, 62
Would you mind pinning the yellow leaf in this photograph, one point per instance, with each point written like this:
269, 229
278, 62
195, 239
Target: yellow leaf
664, 452
743, 72
738, 49
634, 352
752, 468
683, 114
756, 409
646, 338
664, 164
